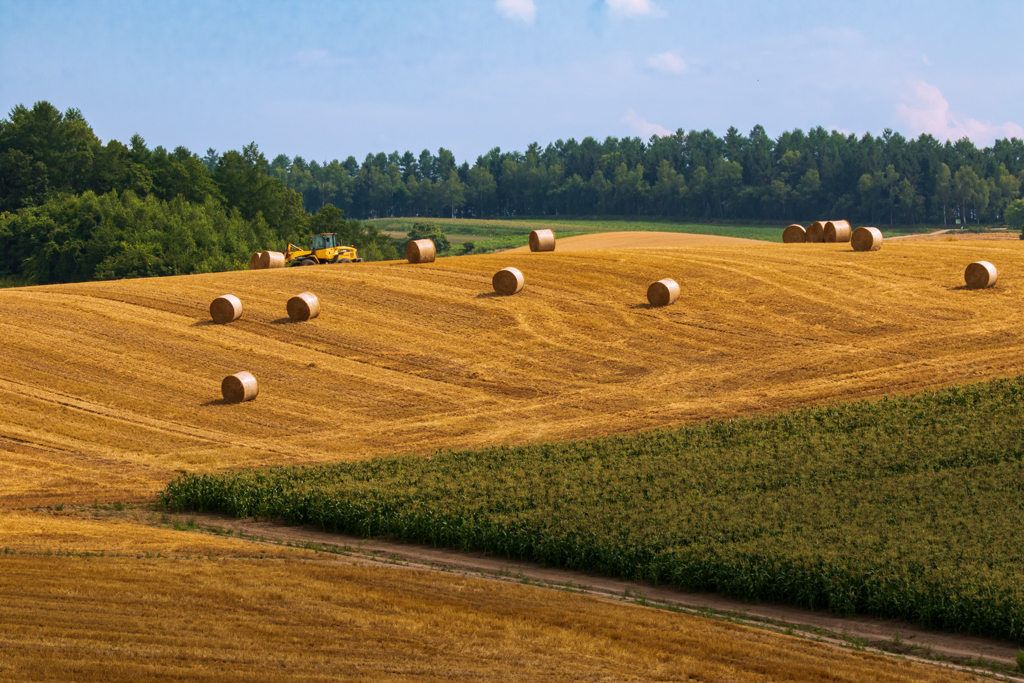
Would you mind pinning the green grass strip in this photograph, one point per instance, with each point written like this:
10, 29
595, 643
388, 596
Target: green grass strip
907, 507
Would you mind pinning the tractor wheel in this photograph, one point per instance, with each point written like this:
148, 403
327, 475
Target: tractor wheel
307, 262
345, 260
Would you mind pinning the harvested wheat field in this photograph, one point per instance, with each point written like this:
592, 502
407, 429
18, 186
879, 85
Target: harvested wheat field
111, 388
634, 240
226, 619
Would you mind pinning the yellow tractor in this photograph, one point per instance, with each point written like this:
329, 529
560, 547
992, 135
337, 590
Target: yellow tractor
325, 250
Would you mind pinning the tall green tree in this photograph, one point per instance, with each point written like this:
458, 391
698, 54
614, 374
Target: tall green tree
971, 193
246, 185
54, 150
453, 193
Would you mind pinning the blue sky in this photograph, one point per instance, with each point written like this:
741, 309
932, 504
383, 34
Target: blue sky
327, 80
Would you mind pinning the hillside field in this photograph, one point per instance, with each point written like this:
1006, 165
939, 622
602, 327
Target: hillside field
112, 388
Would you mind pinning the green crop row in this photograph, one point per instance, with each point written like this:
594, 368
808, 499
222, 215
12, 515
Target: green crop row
906, 507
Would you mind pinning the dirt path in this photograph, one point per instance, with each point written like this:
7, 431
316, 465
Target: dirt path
860, 632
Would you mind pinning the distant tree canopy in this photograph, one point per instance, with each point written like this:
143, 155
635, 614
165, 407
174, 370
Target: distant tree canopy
73, 208
695, 175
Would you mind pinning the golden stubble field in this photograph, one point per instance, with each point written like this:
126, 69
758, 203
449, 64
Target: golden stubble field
110, 389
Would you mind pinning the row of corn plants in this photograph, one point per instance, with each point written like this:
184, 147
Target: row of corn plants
906, 507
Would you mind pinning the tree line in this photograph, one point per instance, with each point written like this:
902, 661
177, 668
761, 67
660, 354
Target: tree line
75, 209
886, 179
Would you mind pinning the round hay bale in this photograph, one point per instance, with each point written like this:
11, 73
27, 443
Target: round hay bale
254, 261
980, 274
866, 239
542, 240
271, 259
303, 307
421, 251
239, 387
663, 292
508, 281
837, 231
225, 309
794, 234
816, 231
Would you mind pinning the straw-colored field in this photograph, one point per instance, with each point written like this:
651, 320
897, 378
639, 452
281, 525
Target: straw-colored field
225, 618
635, 240
110, 389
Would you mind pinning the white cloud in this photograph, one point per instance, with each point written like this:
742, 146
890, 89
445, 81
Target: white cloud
517, 10
926, 60
633, 7
929, 113
644, 128
667, 62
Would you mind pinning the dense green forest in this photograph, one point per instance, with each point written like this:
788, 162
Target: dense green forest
73, 208
695, 175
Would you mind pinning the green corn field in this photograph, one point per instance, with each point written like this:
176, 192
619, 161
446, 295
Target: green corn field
907, 507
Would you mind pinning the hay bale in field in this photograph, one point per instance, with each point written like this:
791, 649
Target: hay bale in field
421, 251
271, 259
980, 274
663, 292
542, 240
794, 234
816, 231
508, 281
866, 239
837, 231
254, 261
239, 387
225, 309
303, 307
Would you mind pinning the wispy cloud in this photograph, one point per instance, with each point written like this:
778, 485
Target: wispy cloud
320, 58
928, 112
667, 62
632, 7
517, 10
642, 127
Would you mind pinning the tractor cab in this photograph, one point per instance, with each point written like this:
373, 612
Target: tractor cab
327, 240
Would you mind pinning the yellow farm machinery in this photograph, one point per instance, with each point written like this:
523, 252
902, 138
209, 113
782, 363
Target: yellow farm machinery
325, 249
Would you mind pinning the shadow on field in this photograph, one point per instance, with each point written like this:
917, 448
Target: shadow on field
203, 323
490, 295
218, 402
644, 306
283, 321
